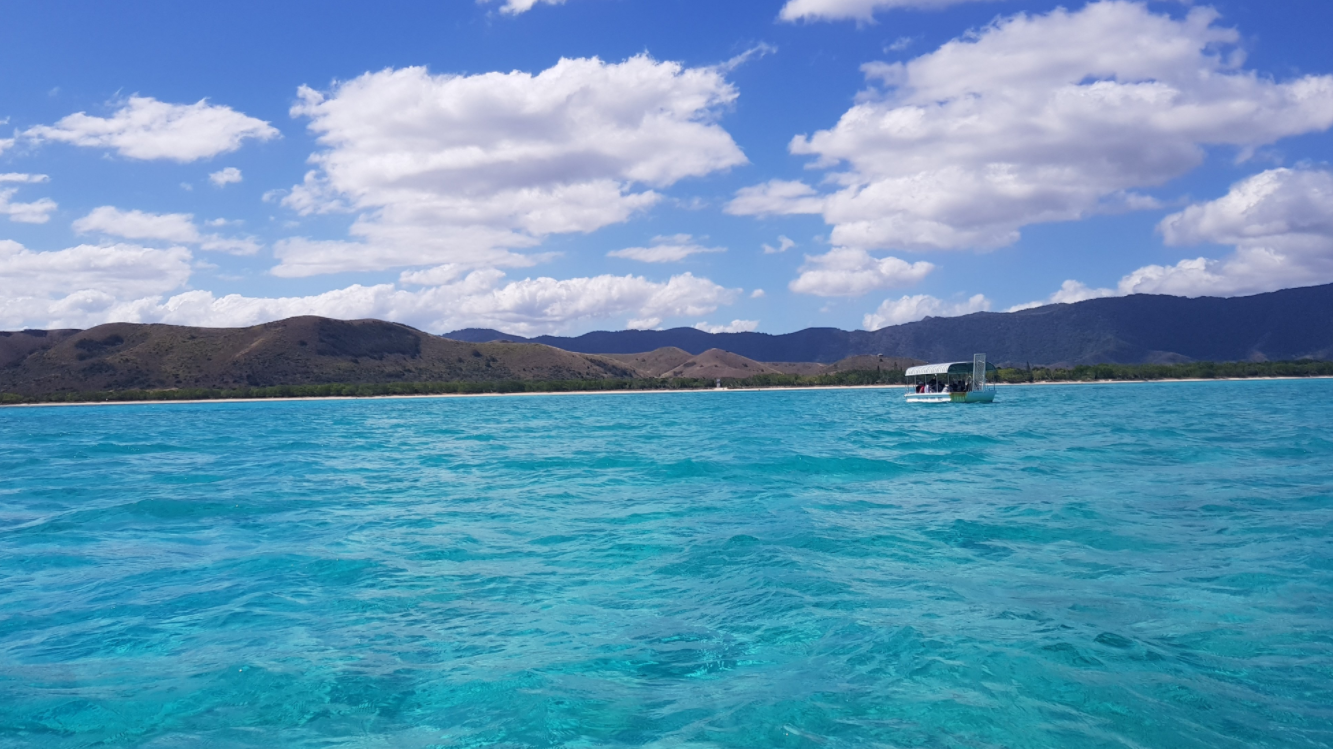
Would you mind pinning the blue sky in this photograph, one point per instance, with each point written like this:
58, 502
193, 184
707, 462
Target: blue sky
597, 164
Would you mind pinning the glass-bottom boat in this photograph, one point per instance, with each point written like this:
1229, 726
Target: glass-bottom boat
952, 382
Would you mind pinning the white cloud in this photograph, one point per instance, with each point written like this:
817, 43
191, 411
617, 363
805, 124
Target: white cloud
1069, 292
479, 299
169, 227
437, 276
230, 245
913, 308
784, 244
224, 177
851, 272
776, 197
468, 168
670, 249
1279, 205
36, 212
859, 10
757, 294
515, 7
68, 288
1280, 223
735, 326
1038, 118
166, 227
145, 128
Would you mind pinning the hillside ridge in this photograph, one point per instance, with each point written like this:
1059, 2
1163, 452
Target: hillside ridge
1139, 329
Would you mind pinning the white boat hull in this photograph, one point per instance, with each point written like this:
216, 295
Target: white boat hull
975, 396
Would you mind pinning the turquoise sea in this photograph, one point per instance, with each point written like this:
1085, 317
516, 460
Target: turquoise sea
1133, 565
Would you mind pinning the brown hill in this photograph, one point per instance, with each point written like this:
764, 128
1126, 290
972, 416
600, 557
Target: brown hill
871, 362
652, 363
804, 368
297, 351
16, 346
715, 363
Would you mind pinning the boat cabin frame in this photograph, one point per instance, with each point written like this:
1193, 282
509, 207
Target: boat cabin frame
952, 382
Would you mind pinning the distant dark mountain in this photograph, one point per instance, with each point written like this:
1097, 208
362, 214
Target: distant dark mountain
484, 335
1288, 324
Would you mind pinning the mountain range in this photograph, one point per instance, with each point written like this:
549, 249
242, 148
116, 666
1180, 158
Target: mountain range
1283, 325
317, 350
1137, 329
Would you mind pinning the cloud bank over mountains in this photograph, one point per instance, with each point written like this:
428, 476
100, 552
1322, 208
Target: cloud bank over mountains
1279, 222
87, 285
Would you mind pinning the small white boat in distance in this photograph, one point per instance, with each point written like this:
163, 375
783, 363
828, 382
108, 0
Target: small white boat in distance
952, 382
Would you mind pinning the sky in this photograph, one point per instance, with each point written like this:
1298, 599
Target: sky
547, 166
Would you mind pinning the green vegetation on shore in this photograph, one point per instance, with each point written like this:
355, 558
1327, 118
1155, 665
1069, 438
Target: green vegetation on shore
1086, 373
457, 388
1202, 370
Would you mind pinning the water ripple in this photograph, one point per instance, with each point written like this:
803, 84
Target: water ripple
1125, 565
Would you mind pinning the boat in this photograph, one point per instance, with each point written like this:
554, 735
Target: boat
952, 382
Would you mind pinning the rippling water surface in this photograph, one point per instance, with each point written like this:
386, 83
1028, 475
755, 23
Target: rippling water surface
1143, 565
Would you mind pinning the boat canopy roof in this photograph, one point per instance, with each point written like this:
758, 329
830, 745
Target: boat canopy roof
953, 367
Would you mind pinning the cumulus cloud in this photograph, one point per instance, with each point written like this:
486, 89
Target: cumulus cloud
145, 128
776, 197
844, 271
170, 227
1037, 118
166, 227
35, 212
670, 249
913, 308
70, 287
858, 10
469, 168
784, 244
515, 7
735, 326
224, 177
1280, 223
1069, 292
479, 299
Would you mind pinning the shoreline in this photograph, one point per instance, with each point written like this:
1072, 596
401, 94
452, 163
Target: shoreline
1172, 379
407, 396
